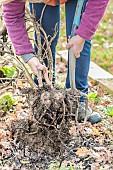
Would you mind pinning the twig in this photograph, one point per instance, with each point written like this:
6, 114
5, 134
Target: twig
5, 52
3, 31
64, 113
2, 90
38, 28
50, 58
55, 33
86, 108
42, 14
27, 74
76, 110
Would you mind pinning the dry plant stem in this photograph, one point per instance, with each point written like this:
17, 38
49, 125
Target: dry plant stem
36, 27
27, 74
39, 28
48, 43
24, 80
3, 34
5, 89
3, 31
47, 79
64, 107
5, 52
50, 57
86, 108
30, 26
56, 31
45, 55
77, 105
4, 45
42, 13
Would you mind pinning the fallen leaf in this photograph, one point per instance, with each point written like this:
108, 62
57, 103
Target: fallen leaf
19, 83
18, 106
10, 118
5, 135
3, 125
73, 131
83, 151
96, 132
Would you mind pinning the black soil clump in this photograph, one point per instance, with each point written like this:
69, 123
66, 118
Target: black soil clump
44, 136
50, 134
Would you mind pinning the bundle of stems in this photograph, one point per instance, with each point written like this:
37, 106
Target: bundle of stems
34, 26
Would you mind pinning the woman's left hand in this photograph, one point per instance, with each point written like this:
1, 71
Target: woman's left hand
77, 44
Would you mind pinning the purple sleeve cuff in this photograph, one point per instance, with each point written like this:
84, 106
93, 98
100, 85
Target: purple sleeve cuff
84, 32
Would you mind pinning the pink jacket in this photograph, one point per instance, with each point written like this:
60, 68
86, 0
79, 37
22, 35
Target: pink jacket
14, 13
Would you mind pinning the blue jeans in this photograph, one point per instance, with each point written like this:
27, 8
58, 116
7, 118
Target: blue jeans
50, 18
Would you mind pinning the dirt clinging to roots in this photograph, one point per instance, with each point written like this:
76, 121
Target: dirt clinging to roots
45, 136
50, 134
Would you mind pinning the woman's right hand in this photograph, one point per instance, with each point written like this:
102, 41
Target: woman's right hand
35, 65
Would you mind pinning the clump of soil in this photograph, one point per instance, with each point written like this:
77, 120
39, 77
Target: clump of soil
50, 134
40, 144
44, 137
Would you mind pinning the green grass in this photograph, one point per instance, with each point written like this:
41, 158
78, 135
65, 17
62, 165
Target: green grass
102, 43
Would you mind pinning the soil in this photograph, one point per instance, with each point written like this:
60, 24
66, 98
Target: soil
44, 136
51, 134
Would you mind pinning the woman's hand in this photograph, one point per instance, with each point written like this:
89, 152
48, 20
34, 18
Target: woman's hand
77, 44
35, 65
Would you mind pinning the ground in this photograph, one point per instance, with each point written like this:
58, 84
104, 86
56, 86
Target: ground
38, 130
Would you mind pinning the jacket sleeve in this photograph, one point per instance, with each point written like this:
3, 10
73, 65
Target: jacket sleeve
94, 12
14, 13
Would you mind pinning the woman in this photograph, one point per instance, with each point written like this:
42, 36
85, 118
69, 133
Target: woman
14, 18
